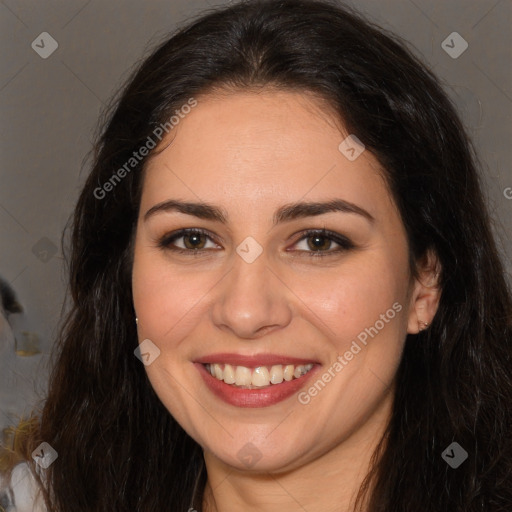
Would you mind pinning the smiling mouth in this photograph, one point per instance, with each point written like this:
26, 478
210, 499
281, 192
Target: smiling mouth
259, 377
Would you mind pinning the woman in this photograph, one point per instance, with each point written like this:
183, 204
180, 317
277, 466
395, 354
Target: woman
284, 224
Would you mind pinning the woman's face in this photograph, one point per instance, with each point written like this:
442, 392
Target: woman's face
260, 295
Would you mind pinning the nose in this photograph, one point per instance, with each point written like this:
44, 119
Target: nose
251, 301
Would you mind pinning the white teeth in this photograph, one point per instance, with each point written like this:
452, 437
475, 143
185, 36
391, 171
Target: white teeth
243, 376
299, 371
258, 377
288, 372
276, 374
229, 374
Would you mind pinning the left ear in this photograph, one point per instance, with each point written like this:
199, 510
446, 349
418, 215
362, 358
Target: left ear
425, 295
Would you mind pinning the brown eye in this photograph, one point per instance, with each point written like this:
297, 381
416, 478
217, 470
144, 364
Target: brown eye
322, 243
188, 240
194, 240
319, 243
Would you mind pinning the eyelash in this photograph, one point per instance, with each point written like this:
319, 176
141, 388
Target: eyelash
344, 243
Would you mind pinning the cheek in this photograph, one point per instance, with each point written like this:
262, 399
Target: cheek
165, 300
347, 300
167, 305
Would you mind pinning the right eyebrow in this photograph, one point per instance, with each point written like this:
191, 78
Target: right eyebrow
200, 210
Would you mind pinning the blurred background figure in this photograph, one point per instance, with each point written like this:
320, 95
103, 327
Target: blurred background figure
18, 392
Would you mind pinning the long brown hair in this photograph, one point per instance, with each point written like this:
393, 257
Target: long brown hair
119, 448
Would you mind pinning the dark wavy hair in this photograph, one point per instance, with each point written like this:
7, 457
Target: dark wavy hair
119, 448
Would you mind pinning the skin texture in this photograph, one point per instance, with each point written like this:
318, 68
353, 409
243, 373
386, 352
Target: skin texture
249, 154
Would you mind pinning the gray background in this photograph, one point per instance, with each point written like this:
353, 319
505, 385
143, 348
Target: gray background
49, 110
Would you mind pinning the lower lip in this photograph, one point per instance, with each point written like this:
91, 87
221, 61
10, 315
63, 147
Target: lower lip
253, 397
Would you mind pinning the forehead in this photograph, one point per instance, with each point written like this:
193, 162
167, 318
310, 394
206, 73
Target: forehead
250, 147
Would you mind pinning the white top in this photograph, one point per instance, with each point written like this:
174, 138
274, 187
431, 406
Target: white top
20, 492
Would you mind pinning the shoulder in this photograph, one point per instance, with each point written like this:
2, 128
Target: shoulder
20, 491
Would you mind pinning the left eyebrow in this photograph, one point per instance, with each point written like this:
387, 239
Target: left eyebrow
310, 209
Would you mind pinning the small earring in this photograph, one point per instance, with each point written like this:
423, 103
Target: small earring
136, 320
423, 326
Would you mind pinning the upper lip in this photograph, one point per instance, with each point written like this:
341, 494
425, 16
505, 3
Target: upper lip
252, 361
